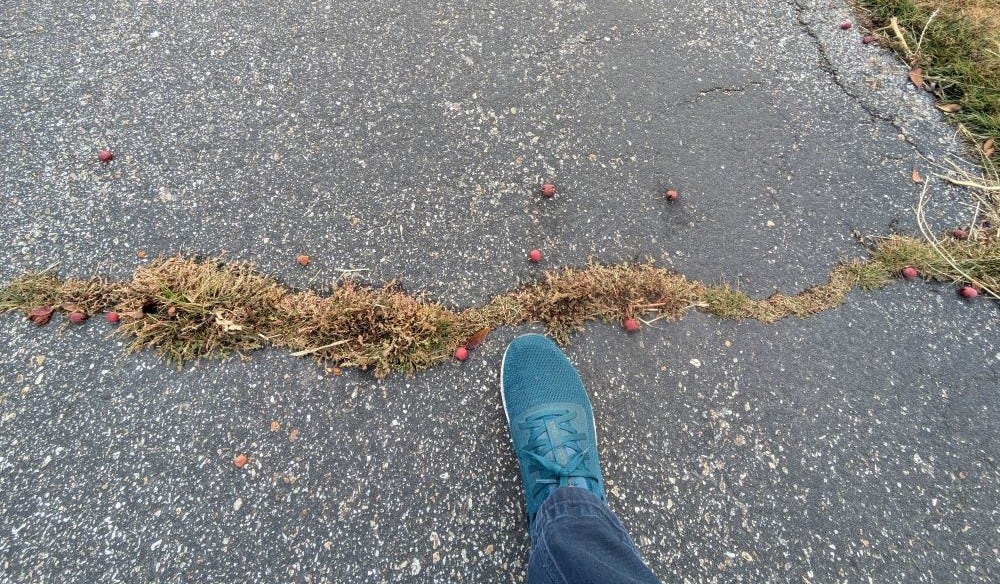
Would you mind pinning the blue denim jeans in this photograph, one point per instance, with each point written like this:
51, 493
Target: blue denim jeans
575, 539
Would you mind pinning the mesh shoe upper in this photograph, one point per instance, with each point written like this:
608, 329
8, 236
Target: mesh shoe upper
550, 419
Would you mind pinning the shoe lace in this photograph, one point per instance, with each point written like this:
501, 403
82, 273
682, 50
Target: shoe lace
558, 448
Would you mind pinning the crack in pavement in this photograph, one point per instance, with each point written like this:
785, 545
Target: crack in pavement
826, 65
723, 90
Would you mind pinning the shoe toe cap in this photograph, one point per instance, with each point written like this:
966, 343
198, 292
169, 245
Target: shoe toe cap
535, 372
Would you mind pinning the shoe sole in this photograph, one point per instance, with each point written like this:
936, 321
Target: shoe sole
503, 399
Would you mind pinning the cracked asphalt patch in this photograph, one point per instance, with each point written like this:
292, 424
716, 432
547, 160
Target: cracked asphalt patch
407, 140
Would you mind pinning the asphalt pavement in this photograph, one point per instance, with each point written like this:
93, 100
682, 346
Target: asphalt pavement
407, 140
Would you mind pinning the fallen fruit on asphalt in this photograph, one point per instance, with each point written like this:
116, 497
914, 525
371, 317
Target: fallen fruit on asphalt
868, 39
112, 317
959, 234
303, 260
968, 292
77, 317
631, 325
535, 256
673, 195
909, 272
40, 315
846, 25
240, 461
548, 190
461, 353
105, 156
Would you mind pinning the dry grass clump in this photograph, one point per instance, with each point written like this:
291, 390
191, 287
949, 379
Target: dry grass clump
355, 326
727, 302
186, 309
89, 296
565, 301
30, 291
44, 289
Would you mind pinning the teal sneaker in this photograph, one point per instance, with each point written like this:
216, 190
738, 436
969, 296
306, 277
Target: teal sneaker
550, 420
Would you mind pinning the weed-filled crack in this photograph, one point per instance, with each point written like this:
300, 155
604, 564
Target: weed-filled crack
186, 309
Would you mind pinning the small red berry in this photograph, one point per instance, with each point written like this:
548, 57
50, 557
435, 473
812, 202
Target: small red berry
241, 460
77, 317
846, 25
909, 272
968, 292
461, 353
535, 256
548, 190
105, 156
112, 317
673, 195
959, 234
868, 39
171, 311
631, 325
303, 260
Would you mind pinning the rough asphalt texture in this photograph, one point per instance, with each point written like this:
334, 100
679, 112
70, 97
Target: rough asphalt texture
406, 138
